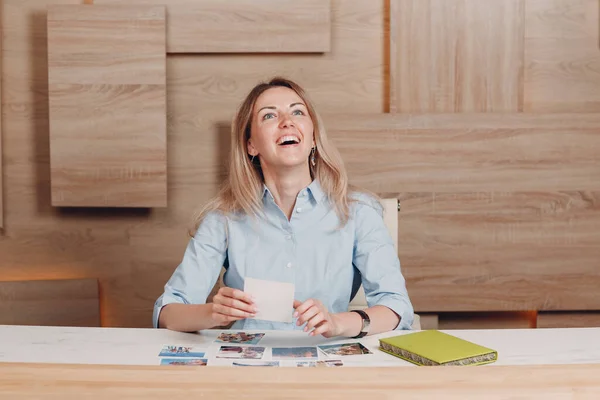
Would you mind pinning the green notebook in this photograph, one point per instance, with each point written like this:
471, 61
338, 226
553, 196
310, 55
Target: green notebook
433, 347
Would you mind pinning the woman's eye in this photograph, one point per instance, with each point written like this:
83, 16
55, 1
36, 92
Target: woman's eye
298, 112
268, 116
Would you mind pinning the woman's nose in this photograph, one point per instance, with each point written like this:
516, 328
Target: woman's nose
286, 121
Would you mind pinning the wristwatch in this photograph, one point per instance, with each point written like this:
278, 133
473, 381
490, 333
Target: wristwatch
366, 323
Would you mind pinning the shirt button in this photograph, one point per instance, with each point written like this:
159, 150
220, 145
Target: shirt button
289, 265
288, 237
303, 193
299, 210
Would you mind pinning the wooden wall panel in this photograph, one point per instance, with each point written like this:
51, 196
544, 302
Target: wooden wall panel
132, 252
470, 152
487, 320
501, 250
107, 96
72, 302
562, 56
568, 319
456, 55
244, 26
493, 206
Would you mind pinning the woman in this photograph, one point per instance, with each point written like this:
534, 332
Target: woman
286, 213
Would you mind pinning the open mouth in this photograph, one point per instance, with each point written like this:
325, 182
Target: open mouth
288, 141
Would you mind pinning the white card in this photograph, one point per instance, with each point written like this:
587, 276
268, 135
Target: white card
274, 300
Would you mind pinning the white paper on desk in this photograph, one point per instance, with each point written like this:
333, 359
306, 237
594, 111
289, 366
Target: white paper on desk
274, 300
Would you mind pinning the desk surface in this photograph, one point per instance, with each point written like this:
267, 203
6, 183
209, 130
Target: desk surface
121, 346
62, 363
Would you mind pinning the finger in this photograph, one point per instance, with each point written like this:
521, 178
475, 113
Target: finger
222, 319
236, 294
314, 321
301, 309
321, 329
229, 311
297, 303
238, 304
308, 314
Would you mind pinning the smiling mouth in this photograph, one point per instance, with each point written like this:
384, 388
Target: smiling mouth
288, 141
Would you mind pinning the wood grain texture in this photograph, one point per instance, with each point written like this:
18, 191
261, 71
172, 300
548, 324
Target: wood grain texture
568, 319
132, 252
456, 55
54, 381
107, 99
487, 320
501, 250
73, 302
562, 57
469, 152
244, 26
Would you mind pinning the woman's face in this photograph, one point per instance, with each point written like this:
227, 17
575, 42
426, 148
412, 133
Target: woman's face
281, 129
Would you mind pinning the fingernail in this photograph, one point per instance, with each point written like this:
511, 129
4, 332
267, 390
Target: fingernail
306, 329
311, 334
255, 309
296, 314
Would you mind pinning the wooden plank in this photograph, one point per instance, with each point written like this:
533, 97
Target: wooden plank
69, 302
469, 152
1, 97
244, 26
107, 96
562, 60
59, 381
568, 319
488, 320
500, 251
456, 55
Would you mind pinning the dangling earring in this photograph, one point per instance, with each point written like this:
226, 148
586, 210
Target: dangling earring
252, 159
312, 156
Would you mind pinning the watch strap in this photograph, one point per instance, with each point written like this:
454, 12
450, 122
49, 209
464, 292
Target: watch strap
365, 317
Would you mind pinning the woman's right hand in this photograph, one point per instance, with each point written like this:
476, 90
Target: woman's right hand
231, 305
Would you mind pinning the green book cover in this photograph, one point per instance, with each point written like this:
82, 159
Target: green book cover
433, 347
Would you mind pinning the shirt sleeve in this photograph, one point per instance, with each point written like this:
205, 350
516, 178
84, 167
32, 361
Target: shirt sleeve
194, 278
376, 258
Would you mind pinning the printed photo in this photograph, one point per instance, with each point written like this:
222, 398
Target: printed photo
184, 361
181, 351
255, 364
240, 338
323, 363
241, 352
346, 349
283, 353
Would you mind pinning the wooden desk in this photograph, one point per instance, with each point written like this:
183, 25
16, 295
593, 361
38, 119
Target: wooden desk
63, 363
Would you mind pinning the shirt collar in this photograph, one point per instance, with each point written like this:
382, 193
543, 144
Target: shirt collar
314, 190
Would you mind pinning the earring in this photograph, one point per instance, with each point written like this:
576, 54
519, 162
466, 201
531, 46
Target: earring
312, 156
252, 159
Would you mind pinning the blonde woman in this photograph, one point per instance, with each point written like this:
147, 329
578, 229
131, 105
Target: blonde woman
287, 213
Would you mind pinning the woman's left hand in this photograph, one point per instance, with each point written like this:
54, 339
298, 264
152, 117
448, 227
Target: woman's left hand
317, 318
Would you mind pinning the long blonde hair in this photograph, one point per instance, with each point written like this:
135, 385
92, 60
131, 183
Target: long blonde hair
243, 189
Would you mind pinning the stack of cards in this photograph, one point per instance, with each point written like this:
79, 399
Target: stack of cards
182, 355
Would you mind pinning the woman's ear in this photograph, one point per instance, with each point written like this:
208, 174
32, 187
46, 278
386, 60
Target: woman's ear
251, 149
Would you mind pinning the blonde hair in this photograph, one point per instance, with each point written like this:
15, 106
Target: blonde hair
243, 189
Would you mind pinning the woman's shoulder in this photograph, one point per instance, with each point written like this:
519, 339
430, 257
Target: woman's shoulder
363, 201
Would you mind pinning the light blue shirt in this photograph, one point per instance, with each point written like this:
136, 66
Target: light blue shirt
310, 250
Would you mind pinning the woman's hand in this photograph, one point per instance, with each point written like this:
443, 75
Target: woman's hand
231, 305
317, 318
